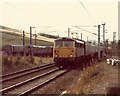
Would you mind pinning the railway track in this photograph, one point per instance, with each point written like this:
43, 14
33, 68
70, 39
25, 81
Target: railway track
17, 72
28, 86
12, 80
20, 73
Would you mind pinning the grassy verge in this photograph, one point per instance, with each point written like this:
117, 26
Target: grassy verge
15, 63
85, 78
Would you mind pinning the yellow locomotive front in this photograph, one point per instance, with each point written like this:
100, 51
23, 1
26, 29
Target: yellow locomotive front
64, 51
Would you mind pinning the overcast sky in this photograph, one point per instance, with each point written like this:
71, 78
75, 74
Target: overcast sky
60, 15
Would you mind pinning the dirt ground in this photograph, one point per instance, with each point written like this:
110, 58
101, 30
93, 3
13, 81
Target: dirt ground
96, 79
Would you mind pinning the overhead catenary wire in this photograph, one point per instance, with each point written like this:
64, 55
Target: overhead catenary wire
14, 6
87, 25
86, 30
45, 28
88, 13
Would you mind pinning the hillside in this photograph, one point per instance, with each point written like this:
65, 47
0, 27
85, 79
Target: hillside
49, 36
17, 39
8, 28
17, 31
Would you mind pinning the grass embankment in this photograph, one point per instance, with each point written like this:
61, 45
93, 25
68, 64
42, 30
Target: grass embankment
15, 63
85, 78
17, 39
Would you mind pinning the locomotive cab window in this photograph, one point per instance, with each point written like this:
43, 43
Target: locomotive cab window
58, 43
68, 43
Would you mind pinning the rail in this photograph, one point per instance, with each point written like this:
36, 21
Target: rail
27, 81
17, 72
26, 73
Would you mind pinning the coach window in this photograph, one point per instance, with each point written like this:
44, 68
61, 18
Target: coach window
68, 43
81, 45
58, 43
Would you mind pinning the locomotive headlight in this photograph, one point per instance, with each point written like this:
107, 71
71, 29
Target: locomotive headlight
71, 55
56, 55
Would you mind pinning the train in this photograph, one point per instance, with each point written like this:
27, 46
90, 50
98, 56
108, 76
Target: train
69, 51
40, 50
43, 51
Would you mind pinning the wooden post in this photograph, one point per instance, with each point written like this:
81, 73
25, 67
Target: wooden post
68, 32
98, 42
31, 45
23, 42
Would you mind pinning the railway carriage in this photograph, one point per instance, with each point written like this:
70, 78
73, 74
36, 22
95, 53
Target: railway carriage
13, 49
43, 51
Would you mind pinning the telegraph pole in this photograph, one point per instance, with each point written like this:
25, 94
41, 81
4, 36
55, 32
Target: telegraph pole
103, 33
81, 36
68, 32
35, 38
30, 35
114, 38
31, 45
87, 38
98, 42
104, 36
23, 42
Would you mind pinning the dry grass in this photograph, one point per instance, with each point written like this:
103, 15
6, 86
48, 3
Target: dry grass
15, 63
85, 78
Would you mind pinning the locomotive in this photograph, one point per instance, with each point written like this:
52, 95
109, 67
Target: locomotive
68, 52
43, 51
